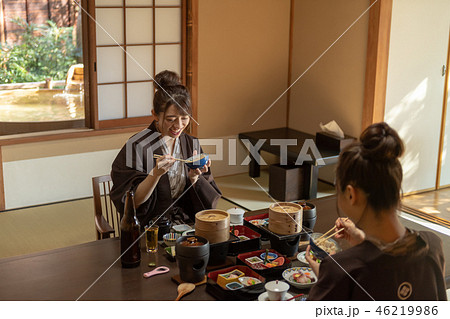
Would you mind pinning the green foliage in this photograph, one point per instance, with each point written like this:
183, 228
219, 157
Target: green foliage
45, 51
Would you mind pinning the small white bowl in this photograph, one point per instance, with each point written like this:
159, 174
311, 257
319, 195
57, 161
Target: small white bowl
181, 228
236, 215
170, 239
276, 290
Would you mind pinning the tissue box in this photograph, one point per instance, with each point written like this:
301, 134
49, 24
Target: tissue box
331, 142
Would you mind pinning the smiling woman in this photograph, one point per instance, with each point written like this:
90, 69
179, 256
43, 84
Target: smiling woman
164, 186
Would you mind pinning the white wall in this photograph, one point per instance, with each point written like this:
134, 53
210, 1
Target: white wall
333, 88
58, 177
415, 85
51, 179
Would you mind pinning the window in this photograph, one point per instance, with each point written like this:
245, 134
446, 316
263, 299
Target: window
134, 40
125, 44
41, 70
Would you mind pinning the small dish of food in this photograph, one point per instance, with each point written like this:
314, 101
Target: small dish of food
271, 256
249, 281
234, 285
322, 248
275, 262
301, 257
170, 239
190, 232
258, 222
300, 277
254, 260
170, 253
181, 228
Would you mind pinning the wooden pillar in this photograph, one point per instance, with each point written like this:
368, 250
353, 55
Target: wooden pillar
49, 10
2, 24
291, 46
192, 57
377, 62
26, 11
69, 17
443, 119
2, 188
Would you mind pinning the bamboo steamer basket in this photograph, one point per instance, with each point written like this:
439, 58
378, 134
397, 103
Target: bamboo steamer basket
287, 221
213, 224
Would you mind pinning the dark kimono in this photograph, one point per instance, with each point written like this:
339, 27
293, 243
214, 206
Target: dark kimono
417, 275
135, 161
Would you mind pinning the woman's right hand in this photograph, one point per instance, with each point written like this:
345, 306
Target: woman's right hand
163, 164
351, 233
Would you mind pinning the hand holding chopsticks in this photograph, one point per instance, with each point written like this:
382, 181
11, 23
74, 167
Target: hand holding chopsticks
318, 242
352, 234
176, 159
321, 240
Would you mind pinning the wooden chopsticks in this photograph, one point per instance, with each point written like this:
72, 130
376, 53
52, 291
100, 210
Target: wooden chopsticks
321, 239
177, 159
325, 239
296, 296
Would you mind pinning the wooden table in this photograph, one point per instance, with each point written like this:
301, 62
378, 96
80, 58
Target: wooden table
65, 274
327, 157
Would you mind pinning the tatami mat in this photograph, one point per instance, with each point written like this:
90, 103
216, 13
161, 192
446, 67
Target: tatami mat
34, 229
252, 193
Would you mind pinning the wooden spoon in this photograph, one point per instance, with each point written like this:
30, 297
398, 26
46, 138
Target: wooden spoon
184, 289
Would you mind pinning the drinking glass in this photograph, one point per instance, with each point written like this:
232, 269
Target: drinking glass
151, 238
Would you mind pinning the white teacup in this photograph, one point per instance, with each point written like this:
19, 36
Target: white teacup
236, 215
276, 290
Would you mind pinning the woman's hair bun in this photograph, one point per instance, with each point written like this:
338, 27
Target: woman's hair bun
379, 142
166, 78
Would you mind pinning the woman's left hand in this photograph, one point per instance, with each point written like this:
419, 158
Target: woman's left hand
195, 173
312, 263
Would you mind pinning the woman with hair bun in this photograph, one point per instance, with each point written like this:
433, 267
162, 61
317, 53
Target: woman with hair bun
386, 261
163, 186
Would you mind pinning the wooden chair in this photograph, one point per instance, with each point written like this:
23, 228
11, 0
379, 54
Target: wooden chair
107, 220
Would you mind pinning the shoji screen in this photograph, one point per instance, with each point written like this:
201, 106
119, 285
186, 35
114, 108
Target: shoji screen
415, 85
135, 39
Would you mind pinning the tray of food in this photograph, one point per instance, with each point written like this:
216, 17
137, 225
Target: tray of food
235, 283
285, 244
267, 262
260, 224
249, 240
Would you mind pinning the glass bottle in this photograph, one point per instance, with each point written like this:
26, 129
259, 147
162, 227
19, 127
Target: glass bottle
129, 234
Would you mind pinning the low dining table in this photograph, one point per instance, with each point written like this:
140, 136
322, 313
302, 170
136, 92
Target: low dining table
92, 271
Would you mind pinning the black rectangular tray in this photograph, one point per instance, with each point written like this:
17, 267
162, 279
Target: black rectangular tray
266, 233
243, 246
268, 273
243, 294
218, 251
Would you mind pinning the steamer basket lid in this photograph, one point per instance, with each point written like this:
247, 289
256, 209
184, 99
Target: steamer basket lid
212, 215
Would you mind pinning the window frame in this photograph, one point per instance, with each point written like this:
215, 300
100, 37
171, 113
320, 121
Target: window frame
94, 127
93, 121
